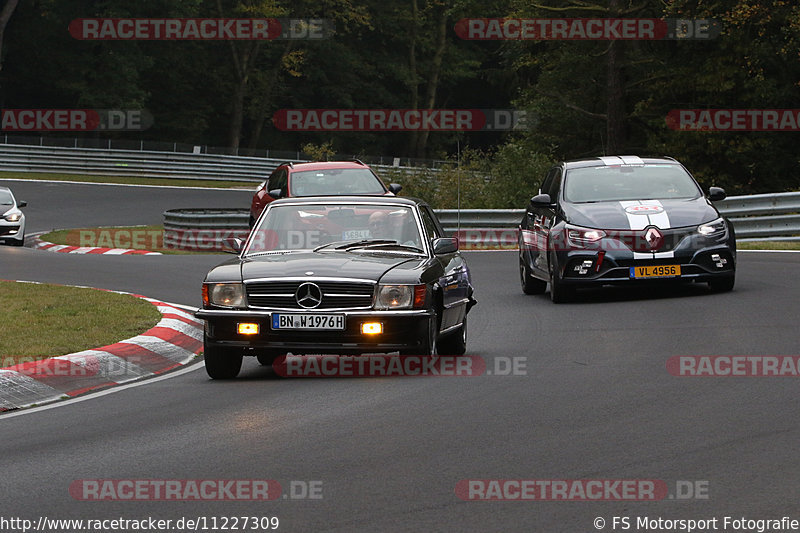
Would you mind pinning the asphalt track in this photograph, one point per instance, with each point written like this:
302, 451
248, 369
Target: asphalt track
596, 402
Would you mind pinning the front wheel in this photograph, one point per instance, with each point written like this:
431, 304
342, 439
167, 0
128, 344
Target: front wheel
267, 358
455, 343
559, 292
18, 242
429, 343
222, 363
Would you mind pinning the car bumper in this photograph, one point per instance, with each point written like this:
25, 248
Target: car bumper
580, 267
12, 230
402, 330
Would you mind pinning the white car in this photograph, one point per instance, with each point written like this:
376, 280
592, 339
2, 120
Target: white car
12, 220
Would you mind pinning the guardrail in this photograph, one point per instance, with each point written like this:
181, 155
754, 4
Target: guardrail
148, 164
773, 217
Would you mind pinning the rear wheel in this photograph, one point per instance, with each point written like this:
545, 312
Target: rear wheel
454, 343
222, 363
530, 285
722, 284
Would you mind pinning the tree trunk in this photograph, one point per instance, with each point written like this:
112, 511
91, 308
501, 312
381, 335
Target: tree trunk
5, 16
433, 80
412, 67
615, 94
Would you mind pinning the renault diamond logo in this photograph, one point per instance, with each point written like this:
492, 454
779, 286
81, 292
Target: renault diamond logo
653, 238
308, 295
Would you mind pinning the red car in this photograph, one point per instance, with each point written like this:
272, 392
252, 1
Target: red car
319, 179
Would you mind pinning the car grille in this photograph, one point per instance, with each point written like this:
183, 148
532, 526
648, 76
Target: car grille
335, 294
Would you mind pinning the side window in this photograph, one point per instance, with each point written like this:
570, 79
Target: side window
548, 180
555, 184
432, 229
274, 179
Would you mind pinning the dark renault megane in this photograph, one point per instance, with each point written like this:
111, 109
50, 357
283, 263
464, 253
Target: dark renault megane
623, 219
337, 275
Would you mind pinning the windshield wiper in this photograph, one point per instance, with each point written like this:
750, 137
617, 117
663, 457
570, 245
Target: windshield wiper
392, 244
343, 245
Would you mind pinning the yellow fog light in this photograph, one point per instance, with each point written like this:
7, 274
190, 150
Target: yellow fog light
371, 328
247, 328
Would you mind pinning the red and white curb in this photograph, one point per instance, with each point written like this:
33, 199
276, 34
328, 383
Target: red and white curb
64, 248
174, 341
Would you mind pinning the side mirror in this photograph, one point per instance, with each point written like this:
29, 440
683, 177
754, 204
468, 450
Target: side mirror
541, 200
446, 245
716, 194
276, 193
232, 245
21, 203
395, 188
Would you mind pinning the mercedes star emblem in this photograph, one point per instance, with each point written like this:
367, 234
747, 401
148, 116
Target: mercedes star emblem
308, 295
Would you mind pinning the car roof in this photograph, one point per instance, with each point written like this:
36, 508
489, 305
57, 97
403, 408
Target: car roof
322, 165
614, 160
388, 200
4, 188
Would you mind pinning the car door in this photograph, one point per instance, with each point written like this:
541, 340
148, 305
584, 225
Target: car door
538, 222
454, 280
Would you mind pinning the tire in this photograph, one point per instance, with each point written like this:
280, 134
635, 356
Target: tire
222, 363
266, 359
722, 284
18, 242
559, 292
530, 285
454, 343
429, 343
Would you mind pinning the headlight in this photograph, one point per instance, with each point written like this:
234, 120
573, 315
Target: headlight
401, 296
583, 237
714, 228
13, 217
224, 294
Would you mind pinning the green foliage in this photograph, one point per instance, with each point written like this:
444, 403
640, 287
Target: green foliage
391, 55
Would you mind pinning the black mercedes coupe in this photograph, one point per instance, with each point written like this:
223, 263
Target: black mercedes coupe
623, 219
337, 275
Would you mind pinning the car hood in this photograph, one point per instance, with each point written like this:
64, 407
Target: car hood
639, 214
325, 264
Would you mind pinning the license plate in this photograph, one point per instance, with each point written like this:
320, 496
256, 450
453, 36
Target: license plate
656, 271
355, 234
307, 321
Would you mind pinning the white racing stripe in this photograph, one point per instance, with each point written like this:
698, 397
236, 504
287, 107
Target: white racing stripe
659, 220
635, 221
631, 160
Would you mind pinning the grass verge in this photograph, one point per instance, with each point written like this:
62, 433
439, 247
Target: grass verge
41, 321
768, 245
132, 180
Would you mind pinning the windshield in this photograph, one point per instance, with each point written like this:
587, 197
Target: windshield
6, 198
306, 227
332, 181
628, 182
